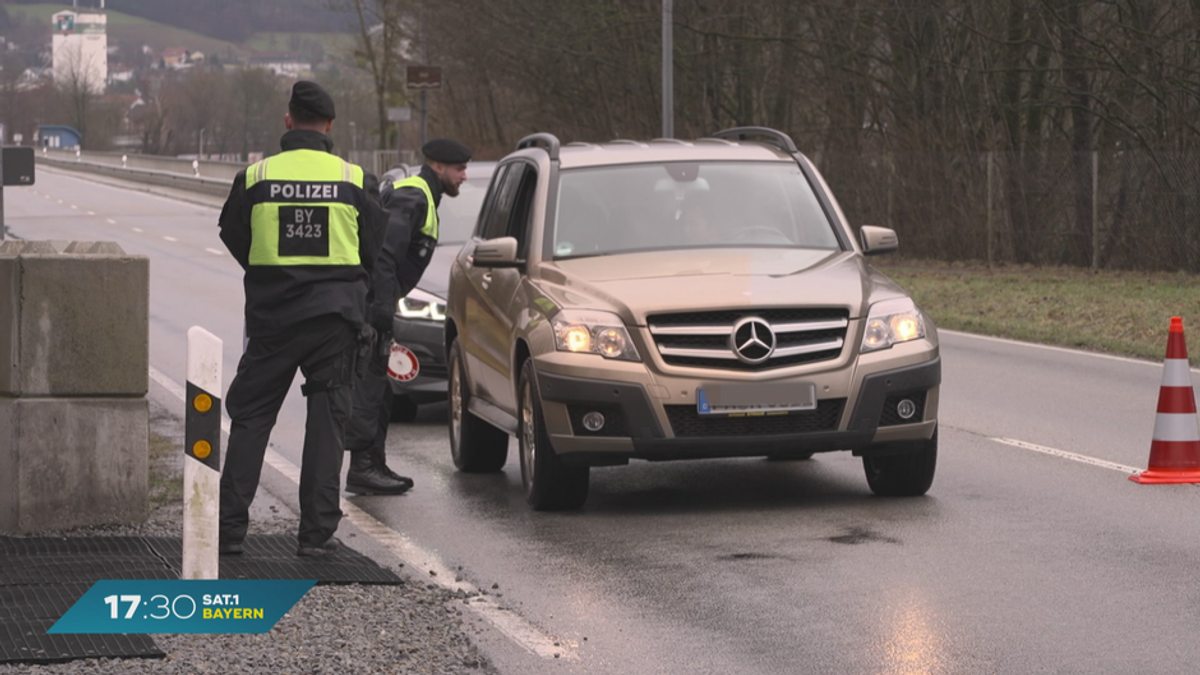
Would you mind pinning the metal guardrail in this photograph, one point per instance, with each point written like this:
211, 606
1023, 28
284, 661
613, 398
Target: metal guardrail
203, 176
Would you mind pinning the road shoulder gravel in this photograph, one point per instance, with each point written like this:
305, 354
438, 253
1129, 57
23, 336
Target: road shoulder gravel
416, 627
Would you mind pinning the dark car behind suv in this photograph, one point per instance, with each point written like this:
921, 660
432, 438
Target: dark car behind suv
417, 368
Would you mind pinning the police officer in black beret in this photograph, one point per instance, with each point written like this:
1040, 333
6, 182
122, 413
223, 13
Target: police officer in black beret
307, 228
412, 235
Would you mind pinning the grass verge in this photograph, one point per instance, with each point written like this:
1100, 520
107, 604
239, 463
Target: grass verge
1115, 312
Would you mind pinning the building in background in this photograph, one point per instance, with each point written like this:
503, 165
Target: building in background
57, 136
80, 50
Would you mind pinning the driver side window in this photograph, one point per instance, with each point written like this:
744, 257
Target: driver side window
524, 178
496, 223
489, 203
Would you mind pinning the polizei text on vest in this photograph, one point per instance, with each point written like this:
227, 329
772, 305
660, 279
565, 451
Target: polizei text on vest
304, 190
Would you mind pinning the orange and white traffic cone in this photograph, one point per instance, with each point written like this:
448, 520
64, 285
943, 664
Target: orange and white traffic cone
1175, 450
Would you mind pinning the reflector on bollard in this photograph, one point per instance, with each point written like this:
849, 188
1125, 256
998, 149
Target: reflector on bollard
202, 464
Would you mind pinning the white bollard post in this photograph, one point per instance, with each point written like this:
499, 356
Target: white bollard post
202, 463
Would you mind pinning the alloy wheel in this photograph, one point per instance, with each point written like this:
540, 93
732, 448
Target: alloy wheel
528, 436
456, 411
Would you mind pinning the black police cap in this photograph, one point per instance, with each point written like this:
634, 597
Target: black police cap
312, 97
446, 151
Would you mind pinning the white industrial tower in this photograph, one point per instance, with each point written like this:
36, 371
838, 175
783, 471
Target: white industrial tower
80, 49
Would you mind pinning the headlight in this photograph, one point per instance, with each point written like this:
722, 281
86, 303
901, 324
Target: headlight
593, 333
891, 322
421, 305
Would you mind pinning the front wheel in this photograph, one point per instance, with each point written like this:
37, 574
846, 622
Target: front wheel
905, 475
475, 445
550, 484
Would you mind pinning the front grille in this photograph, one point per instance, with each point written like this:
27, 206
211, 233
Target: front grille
435, 370
890, 418
686, 422
773, 315
702, 339
614, 420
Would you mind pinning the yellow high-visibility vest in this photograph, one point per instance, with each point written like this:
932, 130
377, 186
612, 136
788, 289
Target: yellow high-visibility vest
430, 228
303, 209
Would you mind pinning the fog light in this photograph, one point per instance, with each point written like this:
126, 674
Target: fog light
593, 422
906, 409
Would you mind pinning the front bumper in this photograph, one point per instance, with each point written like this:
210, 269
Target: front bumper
425, 339
653, 421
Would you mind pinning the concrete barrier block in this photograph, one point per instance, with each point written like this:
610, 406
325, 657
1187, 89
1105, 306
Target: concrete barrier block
23, 246
94, 248
73, 462
10, 303
79, 320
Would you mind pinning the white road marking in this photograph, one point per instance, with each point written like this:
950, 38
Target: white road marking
170, 238
1064, 350
1063, 454
136, 229
110, 221
506, 621
214, 251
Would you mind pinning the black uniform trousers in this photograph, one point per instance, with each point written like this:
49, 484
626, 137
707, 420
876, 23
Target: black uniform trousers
323, 349
372, 412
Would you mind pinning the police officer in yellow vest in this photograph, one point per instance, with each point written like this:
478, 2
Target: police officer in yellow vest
412, 235
306, 228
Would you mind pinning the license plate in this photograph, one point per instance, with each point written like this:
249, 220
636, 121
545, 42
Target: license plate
756, 400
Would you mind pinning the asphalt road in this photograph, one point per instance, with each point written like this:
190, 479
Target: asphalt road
1018, 561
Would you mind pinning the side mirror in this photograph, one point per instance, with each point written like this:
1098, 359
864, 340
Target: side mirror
878, 240
498, 252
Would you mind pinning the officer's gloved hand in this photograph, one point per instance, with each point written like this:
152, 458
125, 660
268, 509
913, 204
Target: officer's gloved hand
380, 316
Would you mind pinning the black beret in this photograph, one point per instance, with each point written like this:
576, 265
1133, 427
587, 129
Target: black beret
446, 151
310, 96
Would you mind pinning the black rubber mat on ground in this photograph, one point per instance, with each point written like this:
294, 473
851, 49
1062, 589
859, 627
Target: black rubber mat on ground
273, 556
40, 578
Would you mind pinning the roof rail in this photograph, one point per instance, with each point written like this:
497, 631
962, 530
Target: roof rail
541, 140
776, 138
714, 140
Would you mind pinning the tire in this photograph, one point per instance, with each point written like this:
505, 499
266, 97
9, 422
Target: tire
404, 409
905, 475
550, 484
475, 445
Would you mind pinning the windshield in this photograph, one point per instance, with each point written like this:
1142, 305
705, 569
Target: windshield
457, 215
680, 205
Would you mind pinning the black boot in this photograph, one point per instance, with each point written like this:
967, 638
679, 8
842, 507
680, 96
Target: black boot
381, 464
365, 478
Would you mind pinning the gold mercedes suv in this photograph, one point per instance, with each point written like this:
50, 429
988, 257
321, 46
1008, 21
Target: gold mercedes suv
676, 299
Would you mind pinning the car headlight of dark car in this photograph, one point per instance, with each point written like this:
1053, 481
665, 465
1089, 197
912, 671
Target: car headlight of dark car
421, 305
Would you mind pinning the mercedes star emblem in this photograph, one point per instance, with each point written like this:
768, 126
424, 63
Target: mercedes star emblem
752, 340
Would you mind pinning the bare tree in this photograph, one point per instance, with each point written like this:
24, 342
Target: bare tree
75, 80
916, 112
380, 49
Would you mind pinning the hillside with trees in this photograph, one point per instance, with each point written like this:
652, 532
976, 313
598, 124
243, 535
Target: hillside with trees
229, 20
